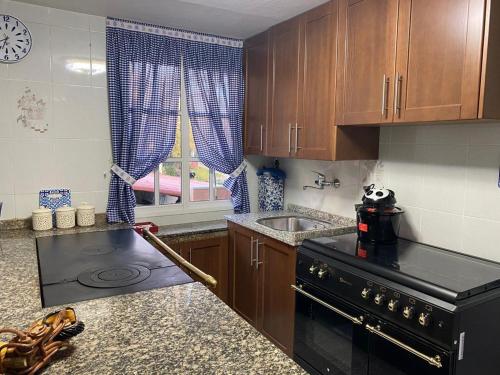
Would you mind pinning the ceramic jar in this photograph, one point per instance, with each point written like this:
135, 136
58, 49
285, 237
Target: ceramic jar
85, 215
42, 218
65, 217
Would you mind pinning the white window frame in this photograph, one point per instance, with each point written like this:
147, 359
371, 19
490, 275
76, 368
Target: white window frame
186, 206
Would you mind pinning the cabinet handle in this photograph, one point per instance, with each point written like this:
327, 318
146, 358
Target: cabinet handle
397, 94
385, 89
251, 251
297, 137
257, 243
289, 138
261, 137
190, 255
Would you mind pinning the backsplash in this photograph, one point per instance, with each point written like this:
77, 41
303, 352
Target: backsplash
54, 128
445, 177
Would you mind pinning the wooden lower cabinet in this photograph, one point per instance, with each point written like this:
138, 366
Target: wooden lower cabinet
261, 271
211, 256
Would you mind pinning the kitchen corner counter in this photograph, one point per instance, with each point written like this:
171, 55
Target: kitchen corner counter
337, 224
183, 329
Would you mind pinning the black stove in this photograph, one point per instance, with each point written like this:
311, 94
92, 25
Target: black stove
401, 309
78, 267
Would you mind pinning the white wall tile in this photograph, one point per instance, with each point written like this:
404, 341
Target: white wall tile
3, 6
5, 110
8, 207
36, 65
70, 56
385, 134
482, 198
30, 109
444, 135
405, 172
84, 163
35, 166
411, 223
97, 23
64, 18
481, 238
25, 204
27, 12
101, 201
443, 187
442, 229
6, 168
98, 55
80, 112
4, 69
485, 134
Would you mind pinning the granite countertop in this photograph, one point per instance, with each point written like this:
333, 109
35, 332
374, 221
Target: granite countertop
336, 224
203, 227
183, 329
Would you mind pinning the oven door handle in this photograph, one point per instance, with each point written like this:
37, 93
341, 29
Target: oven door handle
358, 321
433, 361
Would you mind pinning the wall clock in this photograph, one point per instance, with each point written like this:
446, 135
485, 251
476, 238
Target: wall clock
15, 39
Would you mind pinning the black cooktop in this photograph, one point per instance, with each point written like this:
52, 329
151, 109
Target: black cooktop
79, 267
445, 274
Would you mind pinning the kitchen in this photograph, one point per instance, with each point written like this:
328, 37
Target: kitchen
379, 113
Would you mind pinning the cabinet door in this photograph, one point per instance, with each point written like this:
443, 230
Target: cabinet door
317, 92
210, 256
439, 56
367, 57
256, 50
277, 273
284, 87
244, 275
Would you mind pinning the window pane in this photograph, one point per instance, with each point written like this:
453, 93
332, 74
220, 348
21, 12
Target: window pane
170, 182
192, 147
177, 150
199, 182
144, 190
221, 193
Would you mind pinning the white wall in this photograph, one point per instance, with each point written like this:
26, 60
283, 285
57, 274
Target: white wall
75, 151
445, 177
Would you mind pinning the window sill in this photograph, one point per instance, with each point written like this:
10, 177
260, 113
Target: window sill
142, 212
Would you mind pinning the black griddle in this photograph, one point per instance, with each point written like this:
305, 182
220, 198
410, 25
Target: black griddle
84, 266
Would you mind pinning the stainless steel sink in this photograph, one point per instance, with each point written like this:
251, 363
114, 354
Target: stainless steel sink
292, 223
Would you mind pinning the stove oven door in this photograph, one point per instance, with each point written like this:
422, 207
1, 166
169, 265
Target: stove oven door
393, 352
330, 337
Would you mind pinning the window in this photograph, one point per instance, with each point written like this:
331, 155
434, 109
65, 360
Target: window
182, 180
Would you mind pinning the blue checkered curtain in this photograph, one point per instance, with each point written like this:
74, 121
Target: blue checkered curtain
144, 72
215, 93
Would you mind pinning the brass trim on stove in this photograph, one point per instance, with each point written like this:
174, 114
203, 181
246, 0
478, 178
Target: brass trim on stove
206, 279
433, 361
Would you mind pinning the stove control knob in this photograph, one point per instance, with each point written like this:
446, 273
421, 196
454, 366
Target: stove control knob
313, 269
393, 305
408, 312
323, 273
366, 293
379, 299
424, 319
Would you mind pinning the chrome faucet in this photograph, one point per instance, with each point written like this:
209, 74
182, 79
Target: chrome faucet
321, 182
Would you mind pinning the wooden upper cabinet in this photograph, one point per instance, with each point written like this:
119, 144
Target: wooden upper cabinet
438, 60
256, 63
313, 135
284, 90
367, 56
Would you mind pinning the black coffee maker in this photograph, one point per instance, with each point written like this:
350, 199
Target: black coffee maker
378, 218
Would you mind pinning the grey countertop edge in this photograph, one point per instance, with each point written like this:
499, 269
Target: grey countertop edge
338, 224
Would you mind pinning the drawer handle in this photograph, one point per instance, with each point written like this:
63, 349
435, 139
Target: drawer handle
358, 321
433, 361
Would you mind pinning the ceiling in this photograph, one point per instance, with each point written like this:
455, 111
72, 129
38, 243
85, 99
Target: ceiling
232, 18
